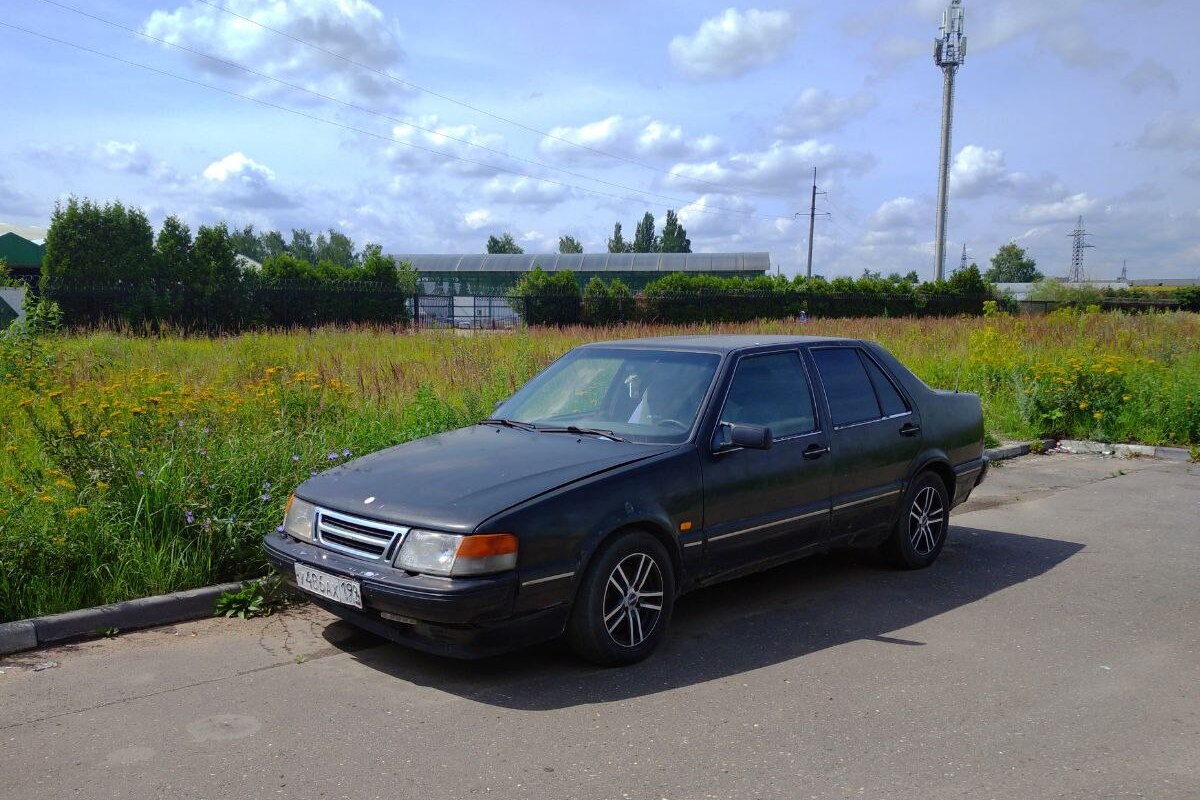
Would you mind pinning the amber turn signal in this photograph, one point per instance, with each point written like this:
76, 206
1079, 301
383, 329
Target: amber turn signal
487, 544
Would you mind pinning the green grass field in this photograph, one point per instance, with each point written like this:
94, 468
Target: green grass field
134, 466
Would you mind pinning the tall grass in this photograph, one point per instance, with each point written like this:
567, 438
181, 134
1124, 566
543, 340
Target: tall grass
140, 465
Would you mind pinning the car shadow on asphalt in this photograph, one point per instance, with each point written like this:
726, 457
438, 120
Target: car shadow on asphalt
738, 626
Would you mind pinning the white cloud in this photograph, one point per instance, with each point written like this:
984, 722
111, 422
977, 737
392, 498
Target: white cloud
817, 111
642, 137
1066, 208
477, 218
977, 171
123, 157
354, 29
454, 140
239, 181
524, 191
780, 167
1174, 130
899, 212
734, 43
1149, 75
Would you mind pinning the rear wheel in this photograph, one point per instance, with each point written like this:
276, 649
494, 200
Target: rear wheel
625, 601
920, 532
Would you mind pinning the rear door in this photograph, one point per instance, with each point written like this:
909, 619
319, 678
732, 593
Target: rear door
763, 505
876, 434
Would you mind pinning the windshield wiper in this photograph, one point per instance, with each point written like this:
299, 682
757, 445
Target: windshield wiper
584, 432
509, 423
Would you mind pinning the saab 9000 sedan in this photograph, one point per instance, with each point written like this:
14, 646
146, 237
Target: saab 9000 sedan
625, 474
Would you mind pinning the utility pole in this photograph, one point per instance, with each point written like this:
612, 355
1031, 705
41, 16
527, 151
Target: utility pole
1079, 235
949, 52
812, 218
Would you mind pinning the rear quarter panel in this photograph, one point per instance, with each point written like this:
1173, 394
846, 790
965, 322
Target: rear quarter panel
951, 422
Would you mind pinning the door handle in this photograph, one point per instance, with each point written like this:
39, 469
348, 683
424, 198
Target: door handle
910, 429
815, 450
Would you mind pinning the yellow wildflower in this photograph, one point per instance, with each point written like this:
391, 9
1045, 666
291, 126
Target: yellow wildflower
1098, 414
1083, 405
77, 511
63, 483
101, 485
1126, 398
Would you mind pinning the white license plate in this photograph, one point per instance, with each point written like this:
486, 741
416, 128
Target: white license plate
342, 590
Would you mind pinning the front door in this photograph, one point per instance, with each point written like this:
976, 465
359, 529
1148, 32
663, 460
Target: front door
763, 505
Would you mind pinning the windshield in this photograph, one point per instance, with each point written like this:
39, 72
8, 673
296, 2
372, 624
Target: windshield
640, 395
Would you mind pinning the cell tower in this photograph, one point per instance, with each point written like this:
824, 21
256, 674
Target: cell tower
949, 52
1079, 235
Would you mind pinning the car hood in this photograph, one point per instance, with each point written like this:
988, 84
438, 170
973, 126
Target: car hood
456, 480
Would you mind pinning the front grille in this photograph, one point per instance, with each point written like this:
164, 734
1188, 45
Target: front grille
362, 538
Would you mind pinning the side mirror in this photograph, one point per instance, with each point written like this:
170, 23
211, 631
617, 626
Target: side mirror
751, 437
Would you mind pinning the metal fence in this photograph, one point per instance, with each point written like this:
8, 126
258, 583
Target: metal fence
283, 305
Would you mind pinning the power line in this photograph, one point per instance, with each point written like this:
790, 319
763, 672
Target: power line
478, 110
249, 70
372, 134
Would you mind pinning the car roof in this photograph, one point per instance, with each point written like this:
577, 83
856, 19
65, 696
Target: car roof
715, 343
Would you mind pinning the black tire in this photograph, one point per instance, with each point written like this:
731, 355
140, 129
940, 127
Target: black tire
614, 620
920, 530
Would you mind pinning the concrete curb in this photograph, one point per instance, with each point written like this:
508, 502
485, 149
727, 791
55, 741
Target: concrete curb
1014, 450
1133, 450
144, 612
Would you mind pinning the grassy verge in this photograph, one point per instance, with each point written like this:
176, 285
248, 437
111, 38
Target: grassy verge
135, 466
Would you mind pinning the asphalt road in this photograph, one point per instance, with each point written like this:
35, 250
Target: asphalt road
1051, 652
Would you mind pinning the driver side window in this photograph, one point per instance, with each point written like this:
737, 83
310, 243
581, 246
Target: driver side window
771, 390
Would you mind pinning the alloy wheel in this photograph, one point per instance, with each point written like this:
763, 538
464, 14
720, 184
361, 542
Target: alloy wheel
633, 599
926, 520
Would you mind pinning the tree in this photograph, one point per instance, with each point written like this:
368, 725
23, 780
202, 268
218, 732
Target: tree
617, 243
302, 245
569, 244
644, 238
98, 244
272, 244
1010, 265
674, 236
968, 281
505, 244
247, 243
173, 252
286, 267
337, 248
215, 275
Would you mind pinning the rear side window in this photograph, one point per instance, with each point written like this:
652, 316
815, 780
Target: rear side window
851, 396
771, 390
889, 396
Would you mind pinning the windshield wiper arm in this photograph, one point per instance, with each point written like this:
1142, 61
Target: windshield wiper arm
508, 423
584, 432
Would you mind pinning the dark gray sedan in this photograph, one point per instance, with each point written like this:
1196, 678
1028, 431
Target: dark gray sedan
625, 474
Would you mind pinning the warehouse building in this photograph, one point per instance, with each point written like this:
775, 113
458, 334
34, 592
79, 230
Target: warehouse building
490, 274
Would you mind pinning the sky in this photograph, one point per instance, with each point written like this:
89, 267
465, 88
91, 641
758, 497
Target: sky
427, 127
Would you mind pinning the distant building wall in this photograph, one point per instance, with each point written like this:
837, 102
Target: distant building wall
13, 300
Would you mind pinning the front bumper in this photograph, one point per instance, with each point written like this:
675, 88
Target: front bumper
459, 617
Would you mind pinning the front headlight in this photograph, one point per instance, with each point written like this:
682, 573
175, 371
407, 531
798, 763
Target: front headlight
300, 519
453, 555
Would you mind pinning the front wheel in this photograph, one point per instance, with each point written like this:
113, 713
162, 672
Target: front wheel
625, 601
920, 532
